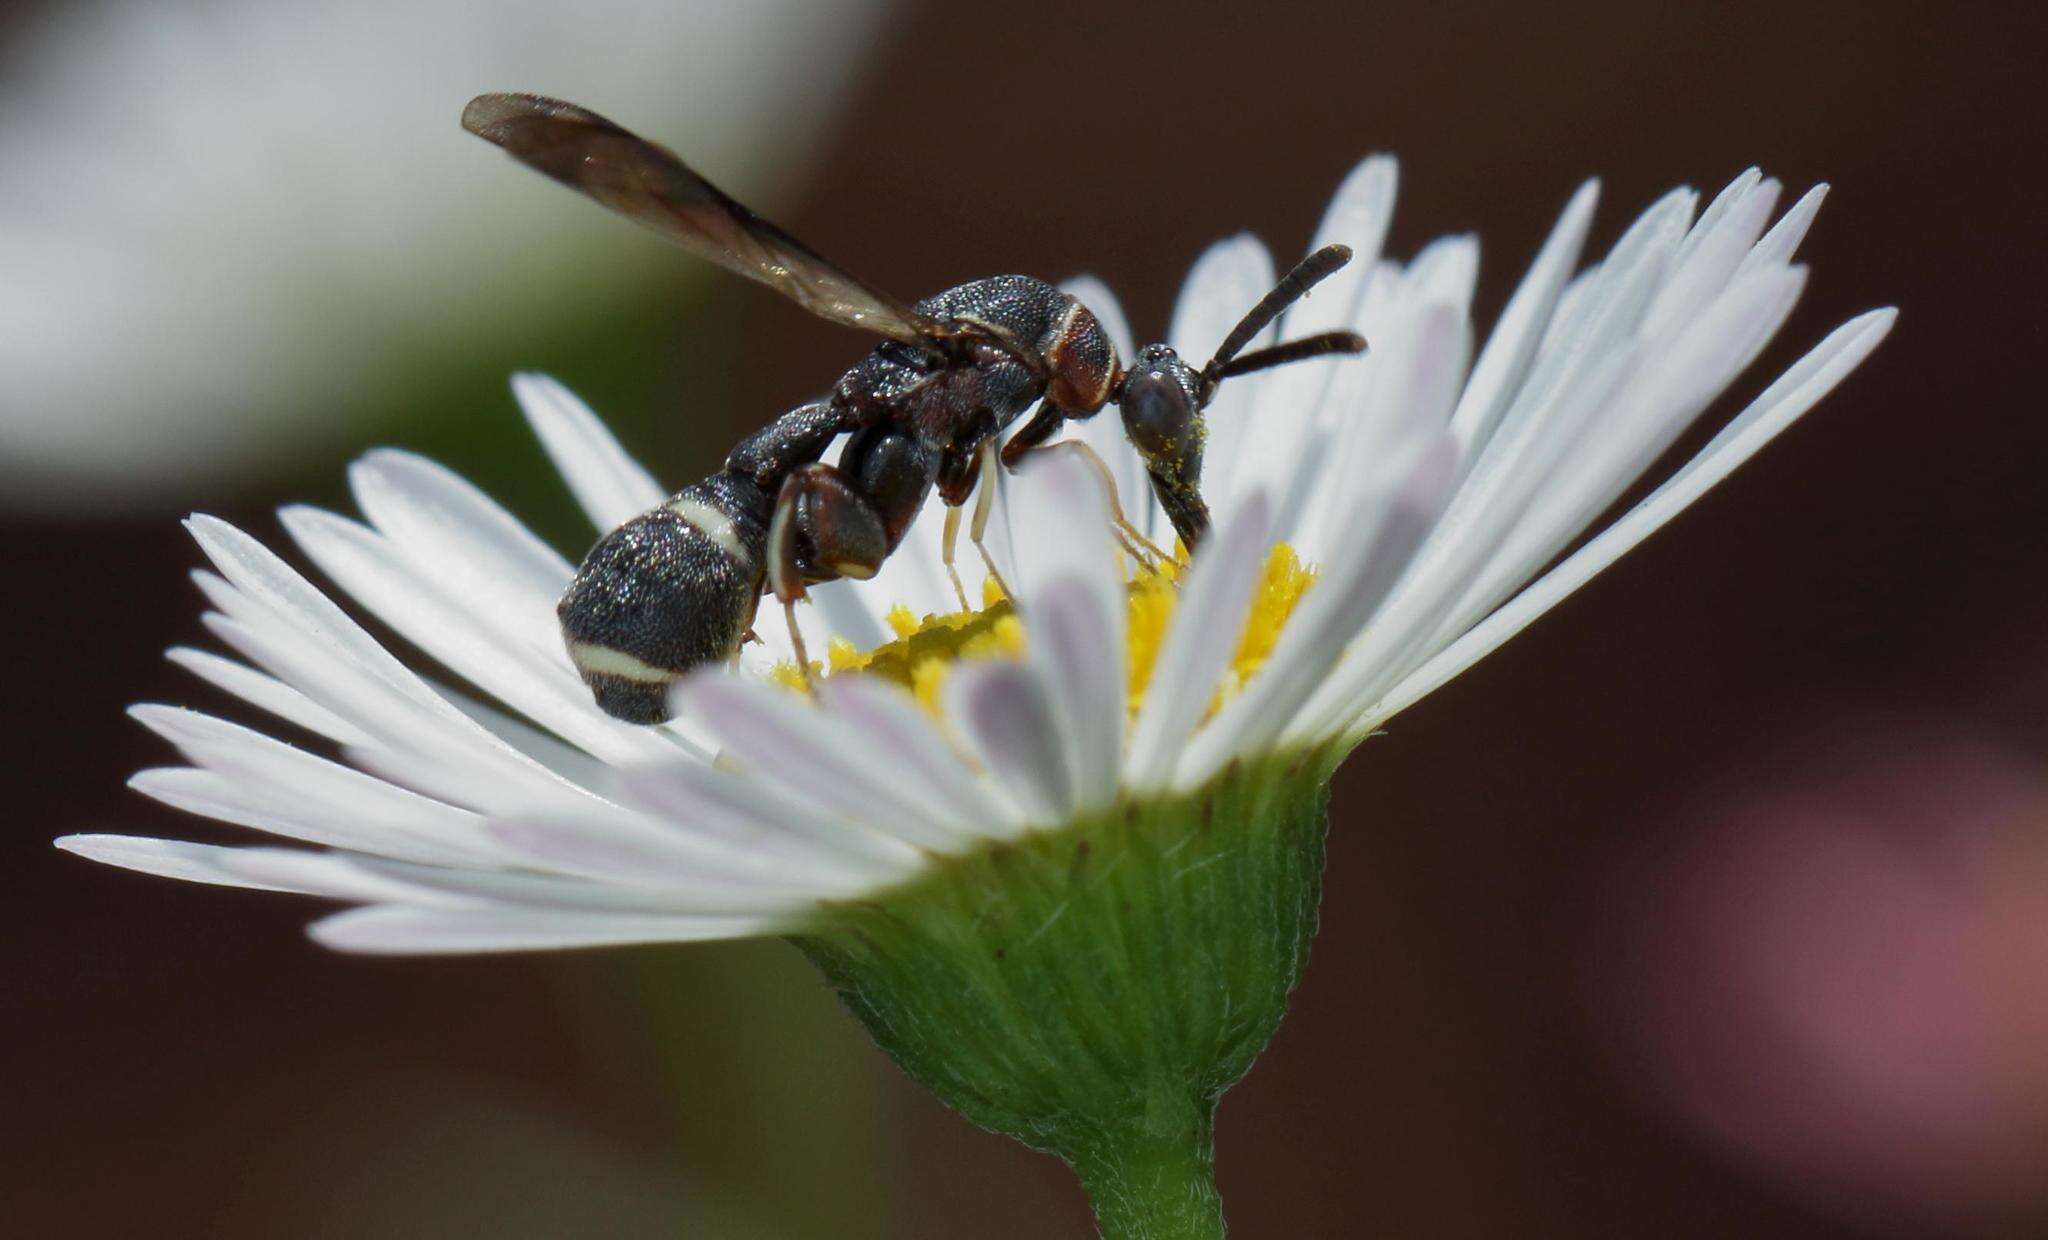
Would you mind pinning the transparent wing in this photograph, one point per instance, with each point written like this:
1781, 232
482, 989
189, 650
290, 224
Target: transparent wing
647, 183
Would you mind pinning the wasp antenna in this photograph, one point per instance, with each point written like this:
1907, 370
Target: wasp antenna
1292, 351
1307, 273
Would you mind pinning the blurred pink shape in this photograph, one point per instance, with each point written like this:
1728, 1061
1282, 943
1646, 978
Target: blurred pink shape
1842, 976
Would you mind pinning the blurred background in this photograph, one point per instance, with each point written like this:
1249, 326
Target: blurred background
1715, 905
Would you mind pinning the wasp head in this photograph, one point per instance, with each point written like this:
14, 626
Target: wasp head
1161, 399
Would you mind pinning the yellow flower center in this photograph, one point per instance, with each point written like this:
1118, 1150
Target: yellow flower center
927, 649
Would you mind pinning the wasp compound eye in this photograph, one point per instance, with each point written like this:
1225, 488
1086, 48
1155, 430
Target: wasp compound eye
1159, 414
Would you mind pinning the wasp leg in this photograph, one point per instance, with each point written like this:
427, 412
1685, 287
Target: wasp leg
984, 504
959, 469
823, 528
1128, 536
750, 635
790, 442
949, 538
1039, 427
1032, 437
785, 580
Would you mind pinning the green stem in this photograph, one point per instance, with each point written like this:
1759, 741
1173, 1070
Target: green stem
1155, 1185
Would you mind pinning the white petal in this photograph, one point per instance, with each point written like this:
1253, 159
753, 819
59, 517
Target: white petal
924, 758
689, 867
1709, 256
267, 692
837, 769
1302, 412
255, 571
1667, 219
740, 805
1668, 392
1104, 434
406, 930
1359, 215
704, 898
1074, 610
479, 645
229, 797
1207, 625
1068, 533
1591, 351
291, 630
1505, 361
1226, 281
610, 485
854, 610
1006, 713
194, 863
567, 761
1397, 510
256, 781
1732, 195
1077, 644
330, 875
1466, 533
1779, 244
1811, 378
470, 545
1310, 482
461, 764
1446, 271
1282, 405
1413, 390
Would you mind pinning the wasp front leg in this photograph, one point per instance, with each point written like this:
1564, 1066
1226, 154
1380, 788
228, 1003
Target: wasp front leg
1033, 437
823, 528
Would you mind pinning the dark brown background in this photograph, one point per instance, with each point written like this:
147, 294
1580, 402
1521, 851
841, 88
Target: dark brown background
180, 1062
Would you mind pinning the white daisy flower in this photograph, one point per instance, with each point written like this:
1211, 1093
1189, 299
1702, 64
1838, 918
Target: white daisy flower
1422, 488
1001, 820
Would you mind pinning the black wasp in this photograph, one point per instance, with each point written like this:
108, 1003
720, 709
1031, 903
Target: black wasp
677, 587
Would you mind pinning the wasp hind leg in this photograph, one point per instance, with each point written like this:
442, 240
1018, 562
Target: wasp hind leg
823, 528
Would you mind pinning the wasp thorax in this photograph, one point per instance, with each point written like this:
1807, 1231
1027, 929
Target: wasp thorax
1159, 405
1082, 359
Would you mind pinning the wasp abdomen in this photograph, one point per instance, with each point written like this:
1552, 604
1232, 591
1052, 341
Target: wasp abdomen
669, 591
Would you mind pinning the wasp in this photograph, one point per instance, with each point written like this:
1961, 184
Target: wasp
678, 587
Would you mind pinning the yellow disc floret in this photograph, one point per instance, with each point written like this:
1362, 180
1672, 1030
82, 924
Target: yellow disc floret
926, 649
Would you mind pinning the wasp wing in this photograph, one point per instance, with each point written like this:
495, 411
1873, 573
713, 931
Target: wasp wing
647, 183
